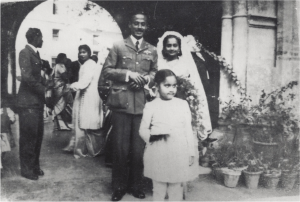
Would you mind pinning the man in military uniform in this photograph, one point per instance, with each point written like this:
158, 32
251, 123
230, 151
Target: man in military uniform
130, 66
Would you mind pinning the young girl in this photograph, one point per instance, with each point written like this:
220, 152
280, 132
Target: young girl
7, 117
166, 128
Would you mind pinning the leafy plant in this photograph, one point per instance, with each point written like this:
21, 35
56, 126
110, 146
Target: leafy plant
188, 92
231, 156
276, 118
271, 120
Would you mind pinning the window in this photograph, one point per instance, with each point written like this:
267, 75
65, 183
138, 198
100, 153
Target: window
95, 39
53, 62
55, 33
54, 9
95, 53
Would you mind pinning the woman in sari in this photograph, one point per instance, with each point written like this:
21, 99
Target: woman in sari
174, 54
62, 96
87, 109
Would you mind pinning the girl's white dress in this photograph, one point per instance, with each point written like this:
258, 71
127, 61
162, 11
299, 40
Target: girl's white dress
168, 161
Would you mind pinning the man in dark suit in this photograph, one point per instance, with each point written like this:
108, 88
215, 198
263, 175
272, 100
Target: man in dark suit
130, 65
30, 100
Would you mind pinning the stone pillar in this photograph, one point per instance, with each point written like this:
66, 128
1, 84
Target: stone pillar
226, 51
240, 43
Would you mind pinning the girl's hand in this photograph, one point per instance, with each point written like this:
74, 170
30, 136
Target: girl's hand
191, 160
73, 88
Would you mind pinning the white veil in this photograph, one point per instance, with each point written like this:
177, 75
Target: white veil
186, 58
186, 61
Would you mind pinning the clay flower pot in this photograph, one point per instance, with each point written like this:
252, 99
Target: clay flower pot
270, 181
252, 179
231, 178
288, 180
268, 149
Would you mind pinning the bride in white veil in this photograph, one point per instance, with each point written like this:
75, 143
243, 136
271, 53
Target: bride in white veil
184, 67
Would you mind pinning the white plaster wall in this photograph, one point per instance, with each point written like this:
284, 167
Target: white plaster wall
260, 62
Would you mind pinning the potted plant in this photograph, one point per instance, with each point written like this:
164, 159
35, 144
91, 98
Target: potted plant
219, 160
270, 176
289, 168
253, 172
230, 160
273, 121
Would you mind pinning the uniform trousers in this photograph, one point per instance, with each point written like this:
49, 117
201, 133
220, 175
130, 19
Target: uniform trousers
31, 135
128, 149
160, 189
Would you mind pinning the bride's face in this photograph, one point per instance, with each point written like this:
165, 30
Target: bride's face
172, 48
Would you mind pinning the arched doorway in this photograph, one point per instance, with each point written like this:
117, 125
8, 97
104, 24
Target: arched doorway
65, 25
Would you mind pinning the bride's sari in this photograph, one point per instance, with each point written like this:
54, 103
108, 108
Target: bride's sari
185, 68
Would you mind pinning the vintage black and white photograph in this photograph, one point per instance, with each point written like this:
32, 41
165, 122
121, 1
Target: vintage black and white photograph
150, 100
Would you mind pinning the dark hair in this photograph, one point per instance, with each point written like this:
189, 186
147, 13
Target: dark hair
60, 58
95, 58
162, 74
137, 11
165, 43
32, 33
87, 48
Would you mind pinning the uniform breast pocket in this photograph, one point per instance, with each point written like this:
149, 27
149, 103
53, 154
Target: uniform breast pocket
117, 98
146, 62
126, 61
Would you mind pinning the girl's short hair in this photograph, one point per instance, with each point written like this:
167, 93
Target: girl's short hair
165, 43
162, 74
87, 48
60, 58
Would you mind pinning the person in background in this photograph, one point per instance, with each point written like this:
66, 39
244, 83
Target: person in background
30, 101
7, 139
62, 97
47, 72
87, 109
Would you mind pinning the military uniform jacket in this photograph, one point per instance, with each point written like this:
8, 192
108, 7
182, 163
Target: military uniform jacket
32, 88
124, 57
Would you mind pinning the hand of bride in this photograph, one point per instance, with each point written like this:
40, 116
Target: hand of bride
191, 160
73, 88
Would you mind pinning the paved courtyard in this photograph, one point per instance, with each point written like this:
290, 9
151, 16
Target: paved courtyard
88, 179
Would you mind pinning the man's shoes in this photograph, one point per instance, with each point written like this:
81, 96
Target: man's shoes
137, 193
39, 172
30, 176
117, 195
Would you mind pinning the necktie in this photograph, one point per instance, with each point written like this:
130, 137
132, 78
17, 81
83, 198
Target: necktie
37, 52
137, 45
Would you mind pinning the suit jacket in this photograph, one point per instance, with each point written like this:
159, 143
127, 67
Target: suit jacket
32, 88
124, 57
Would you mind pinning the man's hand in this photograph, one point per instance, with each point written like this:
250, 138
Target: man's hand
134, 86
191, 160
138, 79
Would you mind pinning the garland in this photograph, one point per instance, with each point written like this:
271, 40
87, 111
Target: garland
188, 92
226, 67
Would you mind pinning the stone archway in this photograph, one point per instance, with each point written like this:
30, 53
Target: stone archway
13, 14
